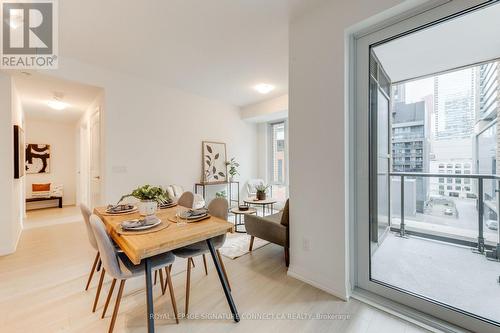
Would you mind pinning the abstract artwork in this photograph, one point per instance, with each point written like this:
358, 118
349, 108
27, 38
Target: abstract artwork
214, 162
37, 158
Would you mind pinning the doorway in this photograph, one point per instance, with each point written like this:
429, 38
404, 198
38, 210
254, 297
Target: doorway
423, 209
58, 150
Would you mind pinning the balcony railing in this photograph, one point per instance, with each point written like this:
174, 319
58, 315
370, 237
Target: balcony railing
480, 198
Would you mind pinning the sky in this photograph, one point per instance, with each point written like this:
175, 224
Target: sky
416, 90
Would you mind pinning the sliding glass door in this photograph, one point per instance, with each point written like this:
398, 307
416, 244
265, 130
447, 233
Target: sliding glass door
425, 203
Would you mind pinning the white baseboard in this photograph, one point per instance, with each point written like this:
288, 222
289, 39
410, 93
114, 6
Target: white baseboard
293, 272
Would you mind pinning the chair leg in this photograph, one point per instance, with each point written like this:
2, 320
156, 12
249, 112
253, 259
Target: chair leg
98, 292
99, 264
171, 291
251, 243
223, 268
156, 276
92, 271
287, 256
162, 283
117, 306
188, 282
205, 264
110, 293
192, 262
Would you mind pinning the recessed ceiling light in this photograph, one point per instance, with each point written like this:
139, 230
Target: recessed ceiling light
264, 88
57, 105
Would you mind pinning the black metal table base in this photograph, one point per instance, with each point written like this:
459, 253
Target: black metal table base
149, 288
149, 296
237, 223
227, 292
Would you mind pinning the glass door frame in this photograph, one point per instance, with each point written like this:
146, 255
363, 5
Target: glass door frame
360, 150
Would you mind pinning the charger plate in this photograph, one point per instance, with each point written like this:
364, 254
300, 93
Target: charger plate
161, 226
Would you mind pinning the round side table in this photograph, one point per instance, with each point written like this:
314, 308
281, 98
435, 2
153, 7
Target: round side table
237, 217
269, 203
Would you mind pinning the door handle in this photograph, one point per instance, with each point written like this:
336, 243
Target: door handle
97, 177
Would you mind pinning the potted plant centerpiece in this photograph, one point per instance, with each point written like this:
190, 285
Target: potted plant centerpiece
149, 197
233, 168
261, 191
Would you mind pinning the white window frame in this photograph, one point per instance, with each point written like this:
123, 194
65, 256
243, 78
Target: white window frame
270, 162
409, 305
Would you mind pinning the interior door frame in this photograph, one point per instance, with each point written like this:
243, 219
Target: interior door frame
359, 151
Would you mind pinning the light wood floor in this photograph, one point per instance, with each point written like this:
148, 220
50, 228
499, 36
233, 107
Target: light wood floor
42, 290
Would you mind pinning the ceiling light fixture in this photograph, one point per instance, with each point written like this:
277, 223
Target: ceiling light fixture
264, 88
56, 103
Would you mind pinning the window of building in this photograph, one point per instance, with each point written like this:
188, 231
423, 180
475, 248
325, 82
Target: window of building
458, 181
441, 166
449, 180
278, 160
466, 181
449, 166
441, 180
458, 188
449, 188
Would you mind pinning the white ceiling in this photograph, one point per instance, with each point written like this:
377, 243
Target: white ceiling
216, 48
466, 40
36, 90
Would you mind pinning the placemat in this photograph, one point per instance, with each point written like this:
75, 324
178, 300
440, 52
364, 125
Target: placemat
159, 227
174, 219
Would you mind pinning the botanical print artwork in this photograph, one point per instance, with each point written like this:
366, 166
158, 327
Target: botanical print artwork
214, 162
37, 158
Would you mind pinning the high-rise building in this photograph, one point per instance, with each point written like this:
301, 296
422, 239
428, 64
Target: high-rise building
454, 107
409, 137
410, 144
486, 133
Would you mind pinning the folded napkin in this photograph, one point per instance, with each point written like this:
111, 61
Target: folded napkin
119, 208
197, 212
138, 223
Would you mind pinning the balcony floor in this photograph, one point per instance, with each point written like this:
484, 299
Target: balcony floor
445, 272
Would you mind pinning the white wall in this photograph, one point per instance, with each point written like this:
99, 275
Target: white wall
61, 138
153, 133
273, 109
318, 156
12, 197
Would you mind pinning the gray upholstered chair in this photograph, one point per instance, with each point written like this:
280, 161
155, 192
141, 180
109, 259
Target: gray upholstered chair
119, 267
219, 208
90, 234
186, 199
272, 228
97, 262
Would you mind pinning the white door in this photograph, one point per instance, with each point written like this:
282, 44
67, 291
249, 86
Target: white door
361, 148
95, 159
83, 168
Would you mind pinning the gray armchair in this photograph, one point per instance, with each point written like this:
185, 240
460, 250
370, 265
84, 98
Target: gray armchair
272, 228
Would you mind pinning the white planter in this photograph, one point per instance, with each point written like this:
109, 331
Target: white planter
148, 207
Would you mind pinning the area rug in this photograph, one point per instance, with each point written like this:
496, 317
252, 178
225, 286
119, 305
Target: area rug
236, 245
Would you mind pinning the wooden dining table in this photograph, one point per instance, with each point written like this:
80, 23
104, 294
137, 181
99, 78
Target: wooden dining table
141, 247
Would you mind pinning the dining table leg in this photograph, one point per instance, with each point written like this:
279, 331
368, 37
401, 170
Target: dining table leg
149, 296
223, 281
